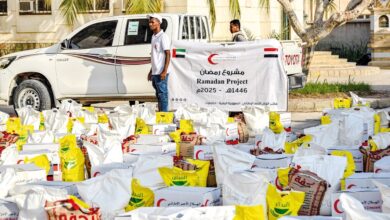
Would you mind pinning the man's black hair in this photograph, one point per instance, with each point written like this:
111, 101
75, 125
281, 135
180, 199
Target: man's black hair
236, 22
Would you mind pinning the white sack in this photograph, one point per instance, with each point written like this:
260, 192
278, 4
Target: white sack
355, 210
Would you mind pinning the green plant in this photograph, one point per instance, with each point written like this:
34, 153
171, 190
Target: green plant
352, 52
325, 87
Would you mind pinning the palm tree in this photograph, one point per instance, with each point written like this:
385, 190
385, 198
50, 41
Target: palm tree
143, 6
70, 9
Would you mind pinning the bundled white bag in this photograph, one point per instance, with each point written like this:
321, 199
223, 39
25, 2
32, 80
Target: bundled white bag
31, 200
146, 111
3, 118
198, 115
311, 150
355, 210
246, 188
359, 101
146, 169
124, 124
29, 116
9, 156
98, 156
56, 121
382, 165
256, 118
7, 181
382, 140
324, 135
329, 168
41, 137
229, 160
78, 128
123, 109
385, 194
271, 140
208, 213
71, 106
89, 117
357, 125
110, 192
217, 116
213, 133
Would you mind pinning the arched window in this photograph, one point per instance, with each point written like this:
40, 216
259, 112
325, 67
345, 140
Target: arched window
383, 21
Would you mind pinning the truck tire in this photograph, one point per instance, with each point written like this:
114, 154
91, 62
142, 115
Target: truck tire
32, 92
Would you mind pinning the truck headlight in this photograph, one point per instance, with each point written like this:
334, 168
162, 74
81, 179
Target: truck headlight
6, 61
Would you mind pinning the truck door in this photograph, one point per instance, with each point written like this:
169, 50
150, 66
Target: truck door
133, 56
87, 66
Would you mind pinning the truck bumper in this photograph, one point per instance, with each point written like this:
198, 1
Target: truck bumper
296, 81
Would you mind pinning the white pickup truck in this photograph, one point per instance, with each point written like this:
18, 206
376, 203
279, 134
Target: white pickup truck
104, 60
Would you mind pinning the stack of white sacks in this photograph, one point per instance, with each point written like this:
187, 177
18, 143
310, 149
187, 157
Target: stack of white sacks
137, 177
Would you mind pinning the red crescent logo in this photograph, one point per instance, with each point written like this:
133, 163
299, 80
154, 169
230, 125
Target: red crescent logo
350, 186
96, 174
155, 131
335, 206
258, 143
277, 184
211, 57
160, 201
377, 170
197, 154
227, 131
206, 203
20, 161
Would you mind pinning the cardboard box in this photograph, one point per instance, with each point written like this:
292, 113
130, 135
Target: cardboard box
34, 147
203, 152
364, 180
161, 129
382, 165
371, 200
186, 149
161, 148
357, 155
272, 161
53, 156
68, 186
8, 210
181, 196
285, 119
231, 132
105, 168
152, 139
310, 218
26, 173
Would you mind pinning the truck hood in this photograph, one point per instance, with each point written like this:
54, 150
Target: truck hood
52, 49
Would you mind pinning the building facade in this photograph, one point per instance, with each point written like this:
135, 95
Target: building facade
34, 22
380, 34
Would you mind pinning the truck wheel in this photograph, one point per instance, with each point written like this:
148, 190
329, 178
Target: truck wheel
34, 93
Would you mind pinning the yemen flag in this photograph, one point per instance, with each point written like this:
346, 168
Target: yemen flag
179, 53
270, 52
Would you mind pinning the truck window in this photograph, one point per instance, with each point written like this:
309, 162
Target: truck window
138, 31
192, 28
96, 35
198, 29
185, 35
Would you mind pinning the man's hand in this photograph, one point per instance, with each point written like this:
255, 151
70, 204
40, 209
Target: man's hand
163, 75
150, 76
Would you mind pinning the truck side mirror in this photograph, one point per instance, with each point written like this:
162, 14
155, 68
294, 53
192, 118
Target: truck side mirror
65, 44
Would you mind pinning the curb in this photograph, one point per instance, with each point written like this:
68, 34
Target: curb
317, 105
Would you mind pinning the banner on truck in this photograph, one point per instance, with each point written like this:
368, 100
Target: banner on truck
228, 76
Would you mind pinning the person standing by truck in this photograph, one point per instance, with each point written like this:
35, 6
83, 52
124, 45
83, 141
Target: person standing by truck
160, 58
235, 29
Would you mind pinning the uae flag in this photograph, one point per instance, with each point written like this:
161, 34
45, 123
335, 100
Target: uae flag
179, 53
270, 52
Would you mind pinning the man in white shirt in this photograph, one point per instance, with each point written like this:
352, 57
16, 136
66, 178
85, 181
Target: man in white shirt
161, 57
